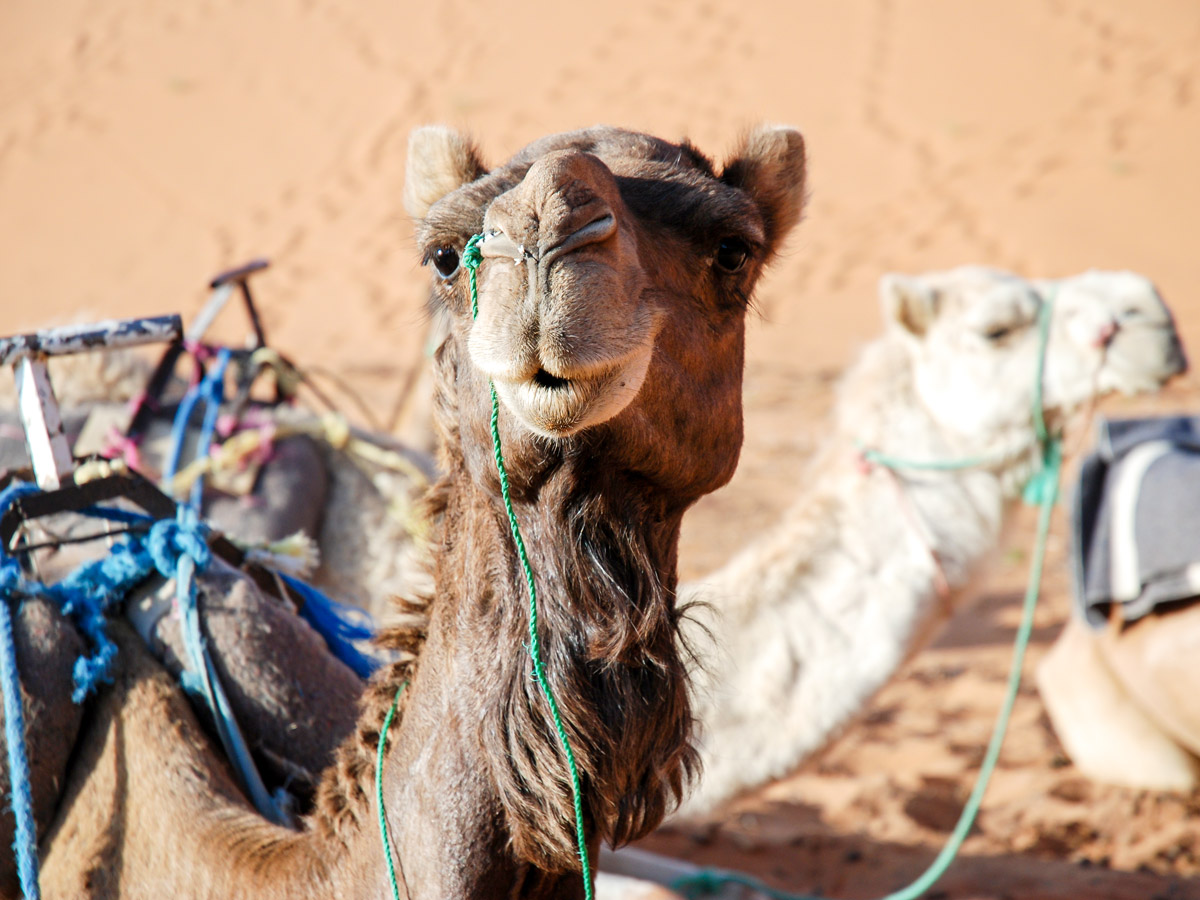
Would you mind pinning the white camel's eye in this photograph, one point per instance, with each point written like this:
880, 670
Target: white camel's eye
997, 333
445, 261
1001, 329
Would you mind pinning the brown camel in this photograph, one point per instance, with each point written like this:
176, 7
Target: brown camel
612, 298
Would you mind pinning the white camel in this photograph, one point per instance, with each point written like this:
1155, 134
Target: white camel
815, 616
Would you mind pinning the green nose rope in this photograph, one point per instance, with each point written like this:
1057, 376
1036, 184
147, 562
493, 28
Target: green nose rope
471, 258
383, 826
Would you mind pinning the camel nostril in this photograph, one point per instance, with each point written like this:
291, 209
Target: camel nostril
1105, 335
546, 380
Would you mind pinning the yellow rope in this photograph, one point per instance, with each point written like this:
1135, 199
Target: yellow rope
332, 429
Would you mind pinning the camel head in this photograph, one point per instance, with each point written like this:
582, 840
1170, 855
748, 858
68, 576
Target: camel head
616, 273
973, 337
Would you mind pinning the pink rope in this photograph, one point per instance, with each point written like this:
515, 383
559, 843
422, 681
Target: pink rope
123, 447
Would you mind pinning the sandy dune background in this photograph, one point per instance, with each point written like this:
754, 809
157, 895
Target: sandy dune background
144, 146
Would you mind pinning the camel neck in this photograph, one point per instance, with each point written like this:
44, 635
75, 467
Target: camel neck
824, 606
603, 556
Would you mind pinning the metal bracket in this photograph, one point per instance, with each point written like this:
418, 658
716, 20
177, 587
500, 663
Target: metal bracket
40, 418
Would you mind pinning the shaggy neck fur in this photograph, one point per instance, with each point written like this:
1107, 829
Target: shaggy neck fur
604, 560
816, 615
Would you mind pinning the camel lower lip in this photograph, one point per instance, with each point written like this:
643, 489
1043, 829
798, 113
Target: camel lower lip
553, 411
558, 407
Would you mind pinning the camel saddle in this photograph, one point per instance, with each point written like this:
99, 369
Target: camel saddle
1135, 519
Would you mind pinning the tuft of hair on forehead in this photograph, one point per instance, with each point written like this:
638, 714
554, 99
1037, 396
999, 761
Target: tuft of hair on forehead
440, 161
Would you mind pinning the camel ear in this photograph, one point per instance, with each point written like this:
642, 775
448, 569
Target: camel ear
440, 160
770, 166
908, 303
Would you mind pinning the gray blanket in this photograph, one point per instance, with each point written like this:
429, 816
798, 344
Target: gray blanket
1135, 523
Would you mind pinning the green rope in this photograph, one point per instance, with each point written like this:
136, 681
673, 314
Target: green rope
383, 826
967, 819
1042, 491
929, 465
471, 258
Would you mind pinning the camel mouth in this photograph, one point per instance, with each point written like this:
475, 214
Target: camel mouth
557, 407
1142, 360
552, 382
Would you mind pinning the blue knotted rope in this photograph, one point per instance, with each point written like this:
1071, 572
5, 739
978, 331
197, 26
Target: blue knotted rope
179, 548
175, 548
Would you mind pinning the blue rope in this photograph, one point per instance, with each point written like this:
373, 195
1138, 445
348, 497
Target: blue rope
87, 595
175, 548
179, 426
210, 389
213, 391
25, 833
341, 626
178, 548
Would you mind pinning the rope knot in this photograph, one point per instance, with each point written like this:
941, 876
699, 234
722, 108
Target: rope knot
12, 580
171, 540
863, 461
472, 256
336, 431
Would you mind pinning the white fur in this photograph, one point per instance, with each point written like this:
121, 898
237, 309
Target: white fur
817, 614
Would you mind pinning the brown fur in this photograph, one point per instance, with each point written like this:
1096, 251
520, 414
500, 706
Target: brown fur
476, 790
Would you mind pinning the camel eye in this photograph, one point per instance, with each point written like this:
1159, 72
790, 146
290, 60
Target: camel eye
732, 254
445, 260
997, 333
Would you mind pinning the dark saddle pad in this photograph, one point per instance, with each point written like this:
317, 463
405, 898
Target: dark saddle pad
1135, 521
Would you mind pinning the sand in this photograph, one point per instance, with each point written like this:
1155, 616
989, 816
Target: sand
145, 146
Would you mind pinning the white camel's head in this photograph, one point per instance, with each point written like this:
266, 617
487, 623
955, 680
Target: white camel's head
973, 336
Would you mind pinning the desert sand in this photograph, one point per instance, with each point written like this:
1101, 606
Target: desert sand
145, 146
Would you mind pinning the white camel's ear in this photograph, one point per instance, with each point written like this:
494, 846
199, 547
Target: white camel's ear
908, 303
770, 166
440, 160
